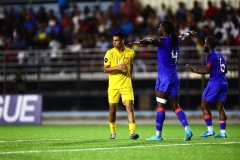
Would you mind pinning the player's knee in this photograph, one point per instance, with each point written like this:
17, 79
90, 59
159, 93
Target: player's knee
129, 108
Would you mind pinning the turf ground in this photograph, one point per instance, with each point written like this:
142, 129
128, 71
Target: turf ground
90, 142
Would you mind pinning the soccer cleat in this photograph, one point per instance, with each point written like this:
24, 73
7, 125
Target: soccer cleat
113, 136
188, 135
134, 136
221, 135
207, 134
155, 138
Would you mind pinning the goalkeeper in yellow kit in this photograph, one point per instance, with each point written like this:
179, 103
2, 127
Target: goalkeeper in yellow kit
118, 63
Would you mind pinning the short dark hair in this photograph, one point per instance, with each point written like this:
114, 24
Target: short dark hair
120, 35
212, 41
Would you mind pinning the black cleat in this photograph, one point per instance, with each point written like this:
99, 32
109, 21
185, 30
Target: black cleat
113, 136
134, 136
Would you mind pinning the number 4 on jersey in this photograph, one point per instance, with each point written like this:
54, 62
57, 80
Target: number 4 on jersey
175, 55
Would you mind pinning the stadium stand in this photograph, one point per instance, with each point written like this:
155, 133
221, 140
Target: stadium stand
60, 55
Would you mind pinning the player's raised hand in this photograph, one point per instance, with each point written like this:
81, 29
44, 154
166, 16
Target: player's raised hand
189, 68
193, 33
188, 33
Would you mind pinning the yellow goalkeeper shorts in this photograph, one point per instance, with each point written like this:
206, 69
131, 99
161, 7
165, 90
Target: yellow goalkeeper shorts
125, 93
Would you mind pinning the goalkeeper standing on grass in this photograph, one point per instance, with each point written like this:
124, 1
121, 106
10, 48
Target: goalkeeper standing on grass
216, 89
118, 63
168, 81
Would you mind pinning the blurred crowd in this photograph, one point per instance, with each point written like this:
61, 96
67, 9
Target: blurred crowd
92, 27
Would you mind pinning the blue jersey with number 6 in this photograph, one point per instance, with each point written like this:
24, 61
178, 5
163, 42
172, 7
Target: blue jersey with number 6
167, 57
218, 67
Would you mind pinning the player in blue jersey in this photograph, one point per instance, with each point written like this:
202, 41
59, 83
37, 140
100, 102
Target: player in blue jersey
216, 89
168, 81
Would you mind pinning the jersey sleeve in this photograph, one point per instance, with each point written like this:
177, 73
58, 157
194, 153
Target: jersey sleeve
133, 56
180, 41
107, 59
208, 61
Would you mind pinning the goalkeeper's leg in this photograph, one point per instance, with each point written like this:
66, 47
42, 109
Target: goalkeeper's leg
112, 119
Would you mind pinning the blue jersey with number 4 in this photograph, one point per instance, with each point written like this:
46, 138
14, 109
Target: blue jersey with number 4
167, 57
218, 67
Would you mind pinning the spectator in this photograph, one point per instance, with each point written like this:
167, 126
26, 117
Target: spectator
212, 12
237, 39
139, 24
225, 48
11, 57
76, 46
183, 28
77, 17
220, 33
181, 12
197, 11
86, 12
63, 5
55, 54
42, 16
103, 24
55, 47
147, 10
234, 27
67, 29
225, 10
129, 8
126, 26
162, 12
152, 20
116, 7
102, 43
206, 22
20, 44
27, 23
190, 21
97, 11
42, 39
19, 86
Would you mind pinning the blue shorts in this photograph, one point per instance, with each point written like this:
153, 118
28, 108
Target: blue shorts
169, 85
216, 92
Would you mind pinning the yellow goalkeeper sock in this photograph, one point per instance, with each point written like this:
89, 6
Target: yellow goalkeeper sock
132, 127
112, 127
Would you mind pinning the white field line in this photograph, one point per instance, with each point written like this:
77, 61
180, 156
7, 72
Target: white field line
40, 140
114, 148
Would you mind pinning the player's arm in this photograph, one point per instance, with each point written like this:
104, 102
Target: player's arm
108, 69
147, 41
131, 68
205, 70
188, 33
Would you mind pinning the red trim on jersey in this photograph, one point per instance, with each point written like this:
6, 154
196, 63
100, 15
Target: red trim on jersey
208, 64
207, 116
178, 110
159, 109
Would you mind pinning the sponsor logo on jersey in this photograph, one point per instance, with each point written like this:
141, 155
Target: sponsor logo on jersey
105, 60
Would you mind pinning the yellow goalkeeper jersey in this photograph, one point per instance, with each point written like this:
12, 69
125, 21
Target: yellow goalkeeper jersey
119, 79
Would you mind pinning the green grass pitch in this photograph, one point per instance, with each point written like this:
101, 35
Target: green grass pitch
90, 142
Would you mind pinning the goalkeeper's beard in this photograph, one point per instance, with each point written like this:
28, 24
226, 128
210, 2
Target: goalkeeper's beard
206, 50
